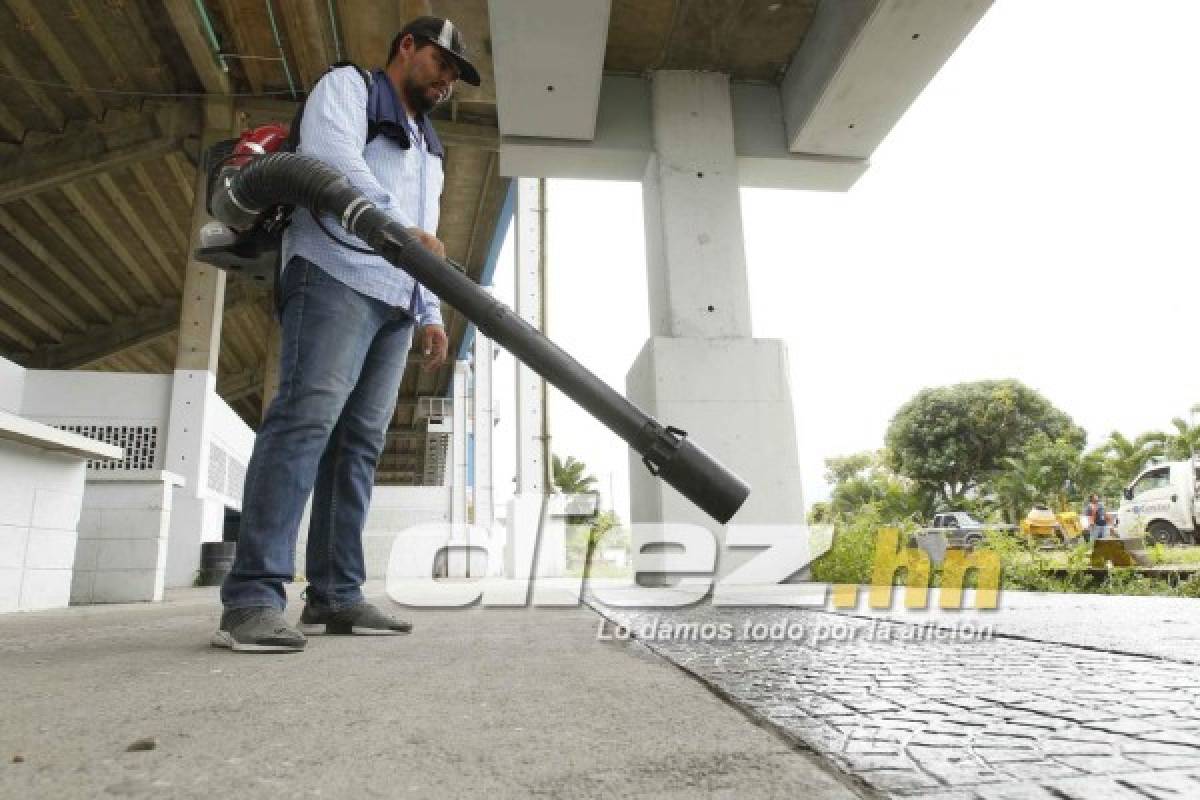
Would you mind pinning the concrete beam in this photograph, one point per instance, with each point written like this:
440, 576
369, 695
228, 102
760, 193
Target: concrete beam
26, 12
91, 148
862, 64
624, 141
241, 384
192, 30
763, 158
82, 254
619, 149
114, 240
15, 66
308, 28
548, 56
261, 110
144, 327
51, 263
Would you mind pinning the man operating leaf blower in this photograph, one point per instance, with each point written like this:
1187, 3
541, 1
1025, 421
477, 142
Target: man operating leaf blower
348, 320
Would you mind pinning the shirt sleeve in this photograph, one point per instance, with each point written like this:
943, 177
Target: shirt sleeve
432, 312
334, 130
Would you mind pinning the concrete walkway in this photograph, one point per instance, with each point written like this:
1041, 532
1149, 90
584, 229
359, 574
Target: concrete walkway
476, 703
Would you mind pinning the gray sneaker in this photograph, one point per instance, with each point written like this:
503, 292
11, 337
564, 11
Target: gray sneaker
259, 629
363, 619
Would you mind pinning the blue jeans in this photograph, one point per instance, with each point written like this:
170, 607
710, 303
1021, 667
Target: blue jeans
342, 358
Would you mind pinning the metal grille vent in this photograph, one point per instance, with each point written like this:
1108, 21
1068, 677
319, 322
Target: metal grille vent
226, 475
217, 464
140, 443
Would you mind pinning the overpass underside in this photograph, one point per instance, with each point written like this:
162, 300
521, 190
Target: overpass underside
106, 107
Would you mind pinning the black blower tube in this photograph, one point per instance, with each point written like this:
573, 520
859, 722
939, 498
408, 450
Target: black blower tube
286, 178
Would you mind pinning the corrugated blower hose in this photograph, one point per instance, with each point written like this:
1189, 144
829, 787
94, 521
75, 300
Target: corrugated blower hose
242, 192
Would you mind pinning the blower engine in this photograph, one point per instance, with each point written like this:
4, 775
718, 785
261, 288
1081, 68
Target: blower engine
250, 246
252, 192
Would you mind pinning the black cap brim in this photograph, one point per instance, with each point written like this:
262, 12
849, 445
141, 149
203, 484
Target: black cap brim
466, 70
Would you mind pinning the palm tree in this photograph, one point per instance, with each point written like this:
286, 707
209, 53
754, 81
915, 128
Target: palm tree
570, 477
1184, 442
1130, 457
1018, 485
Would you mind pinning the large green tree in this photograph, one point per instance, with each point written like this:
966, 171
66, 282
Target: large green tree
950, 439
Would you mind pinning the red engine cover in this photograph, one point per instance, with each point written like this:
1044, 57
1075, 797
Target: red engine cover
259, 141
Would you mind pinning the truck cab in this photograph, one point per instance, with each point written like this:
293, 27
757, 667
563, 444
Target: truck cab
960, 528
1163, 499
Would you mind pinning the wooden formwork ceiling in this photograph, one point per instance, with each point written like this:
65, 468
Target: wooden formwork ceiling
101, 111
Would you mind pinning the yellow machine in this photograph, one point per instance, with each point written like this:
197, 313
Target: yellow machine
1043, 524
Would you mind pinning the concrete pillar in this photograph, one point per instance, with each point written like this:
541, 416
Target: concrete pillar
271, 367
701, 370
526, 510
457, 564
196, 518
484, 419
532, 466
415, 8
693, 213
458, 445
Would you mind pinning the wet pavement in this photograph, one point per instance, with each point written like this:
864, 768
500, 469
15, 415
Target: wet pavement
1068, 697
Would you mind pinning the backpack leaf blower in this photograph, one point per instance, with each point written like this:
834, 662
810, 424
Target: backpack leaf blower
245, 190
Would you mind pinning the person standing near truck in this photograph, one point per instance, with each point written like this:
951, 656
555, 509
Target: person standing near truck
1097, 520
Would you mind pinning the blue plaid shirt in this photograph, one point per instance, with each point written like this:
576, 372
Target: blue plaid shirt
407, 183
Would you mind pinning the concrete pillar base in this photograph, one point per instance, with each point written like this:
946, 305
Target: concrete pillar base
525, 553
733, 397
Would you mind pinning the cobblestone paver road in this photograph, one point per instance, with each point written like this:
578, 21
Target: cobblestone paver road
953, 718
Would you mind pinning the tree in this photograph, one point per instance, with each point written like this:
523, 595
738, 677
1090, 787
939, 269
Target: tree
1054, 472
582, 541
1017, 487
1183, 442
570, 477
863, 479
1131, 457
950, 439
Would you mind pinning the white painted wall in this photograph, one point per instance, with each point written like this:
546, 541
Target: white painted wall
236, 439
12, 386
58, 397
393, 509
40, 498
198, 420
121, 556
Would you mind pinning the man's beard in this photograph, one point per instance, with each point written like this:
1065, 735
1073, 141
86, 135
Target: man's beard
418, 98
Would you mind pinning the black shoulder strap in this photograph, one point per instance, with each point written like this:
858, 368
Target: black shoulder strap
293, 140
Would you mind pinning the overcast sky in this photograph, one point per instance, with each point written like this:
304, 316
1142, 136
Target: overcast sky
1032, 216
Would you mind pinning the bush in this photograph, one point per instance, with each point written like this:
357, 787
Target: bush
1024, 565
852, 554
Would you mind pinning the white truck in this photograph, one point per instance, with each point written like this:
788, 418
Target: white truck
1164, 499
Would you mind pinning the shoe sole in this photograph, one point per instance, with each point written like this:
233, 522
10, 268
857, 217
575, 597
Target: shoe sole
226, 640
321, 628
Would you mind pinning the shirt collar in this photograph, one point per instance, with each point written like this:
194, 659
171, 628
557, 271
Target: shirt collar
387, 114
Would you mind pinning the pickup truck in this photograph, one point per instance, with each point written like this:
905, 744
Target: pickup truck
959, 527
950, 530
